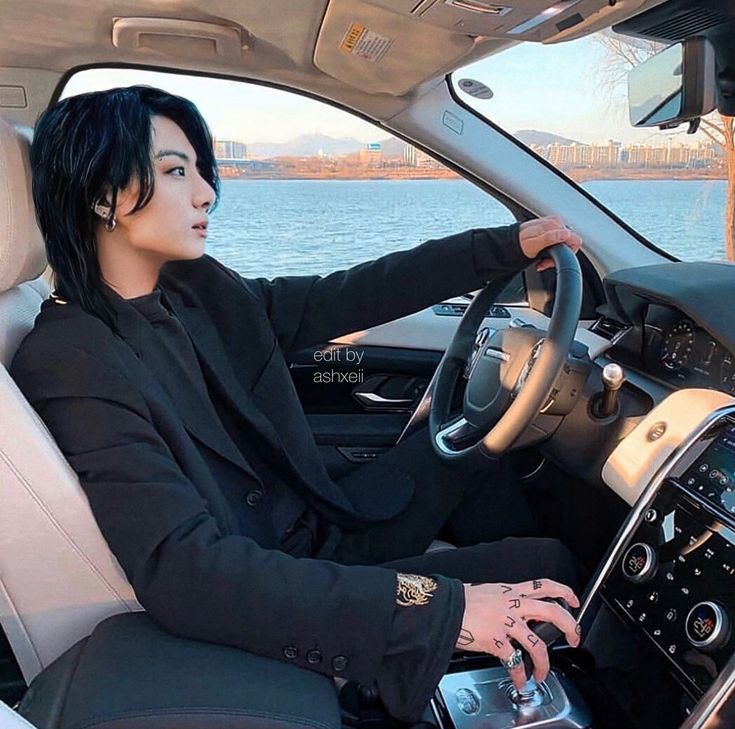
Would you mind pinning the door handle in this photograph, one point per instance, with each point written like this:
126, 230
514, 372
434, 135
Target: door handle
373, 399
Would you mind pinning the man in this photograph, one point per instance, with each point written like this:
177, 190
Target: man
162, 375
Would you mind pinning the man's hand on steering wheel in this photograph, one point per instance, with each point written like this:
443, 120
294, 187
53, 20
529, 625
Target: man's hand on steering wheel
535, 235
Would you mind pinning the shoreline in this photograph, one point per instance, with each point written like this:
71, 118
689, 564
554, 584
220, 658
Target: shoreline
577, 175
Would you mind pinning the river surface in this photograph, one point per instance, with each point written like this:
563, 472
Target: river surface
285, 227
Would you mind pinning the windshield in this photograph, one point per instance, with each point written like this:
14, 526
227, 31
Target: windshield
568, 103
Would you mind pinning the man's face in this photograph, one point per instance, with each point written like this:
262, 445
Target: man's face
163, 230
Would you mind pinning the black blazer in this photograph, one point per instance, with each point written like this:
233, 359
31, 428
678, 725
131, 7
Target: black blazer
144, 459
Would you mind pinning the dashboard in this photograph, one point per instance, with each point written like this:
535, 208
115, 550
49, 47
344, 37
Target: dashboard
675, 322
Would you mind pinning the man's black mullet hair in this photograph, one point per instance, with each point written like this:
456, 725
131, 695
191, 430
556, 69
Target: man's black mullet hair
87, 142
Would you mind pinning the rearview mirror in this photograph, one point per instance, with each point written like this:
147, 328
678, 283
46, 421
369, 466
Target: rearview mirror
674, 86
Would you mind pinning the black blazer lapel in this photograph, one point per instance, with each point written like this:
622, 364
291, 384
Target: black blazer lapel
187, 404
219, 371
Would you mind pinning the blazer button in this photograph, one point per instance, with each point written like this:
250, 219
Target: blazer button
314, 656
253, 497
291, 652
339, 663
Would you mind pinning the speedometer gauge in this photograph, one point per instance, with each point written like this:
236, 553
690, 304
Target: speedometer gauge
677, 345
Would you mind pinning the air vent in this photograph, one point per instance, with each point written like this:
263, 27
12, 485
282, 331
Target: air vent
498, 312
609, 328
686, 24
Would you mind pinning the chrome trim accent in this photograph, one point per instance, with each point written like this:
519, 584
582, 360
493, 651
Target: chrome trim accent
496, 354
372, 398
724, 685
448, 431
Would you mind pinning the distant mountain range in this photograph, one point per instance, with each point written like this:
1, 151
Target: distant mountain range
310, 145
532, 136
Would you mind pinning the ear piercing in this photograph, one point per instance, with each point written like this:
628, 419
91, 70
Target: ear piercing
104, 212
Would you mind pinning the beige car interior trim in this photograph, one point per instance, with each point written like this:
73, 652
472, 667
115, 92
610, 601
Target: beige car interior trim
429, 331
275, 52
9, 719
638, 457
384, 52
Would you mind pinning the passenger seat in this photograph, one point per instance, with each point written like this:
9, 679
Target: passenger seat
58, 577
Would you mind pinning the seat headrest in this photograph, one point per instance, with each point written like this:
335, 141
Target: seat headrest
22, 250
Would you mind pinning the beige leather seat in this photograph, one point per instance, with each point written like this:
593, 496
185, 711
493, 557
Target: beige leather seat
58, 578
10, 720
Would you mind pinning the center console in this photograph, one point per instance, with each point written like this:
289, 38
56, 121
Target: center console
668, 587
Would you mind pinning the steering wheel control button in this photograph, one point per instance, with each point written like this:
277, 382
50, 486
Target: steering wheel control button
314, 656
290, 652
339, 663
253, 498
707, 626
639, 563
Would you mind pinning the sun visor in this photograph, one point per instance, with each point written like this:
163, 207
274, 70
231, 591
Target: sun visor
380, 51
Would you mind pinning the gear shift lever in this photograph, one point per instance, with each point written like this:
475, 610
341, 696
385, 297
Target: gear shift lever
605, 404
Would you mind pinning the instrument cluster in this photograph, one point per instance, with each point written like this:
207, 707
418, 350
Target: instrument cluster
681, 352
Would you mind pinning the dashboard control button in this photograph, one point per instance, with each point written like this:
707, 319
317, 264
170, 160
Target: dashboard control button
671, 615
639, 562
707, 626
651, 516
703, 468
653, 596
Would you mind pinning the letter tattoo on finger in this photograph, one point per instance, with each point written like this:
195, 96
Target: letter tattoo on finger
509, 623
515, 603
465, 638
533, 639
498, 643
537, 584
506, 588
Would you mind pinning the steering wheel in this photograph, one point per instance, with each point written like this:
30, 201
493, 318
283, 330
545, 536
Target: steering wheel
510, 372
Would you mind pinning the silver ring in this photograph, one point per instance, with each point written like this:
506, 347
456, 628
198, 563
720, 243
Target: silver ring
515, 660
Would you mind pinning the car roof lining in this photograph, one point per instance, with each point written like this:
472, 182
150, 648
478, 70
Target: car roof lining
430, 38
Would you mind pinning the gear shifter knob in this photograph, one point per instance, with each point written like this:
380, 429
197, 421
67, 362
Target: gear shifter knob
606, 403
613, 376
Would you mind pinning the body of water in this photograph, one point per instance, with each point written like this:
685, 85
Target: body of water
290, 227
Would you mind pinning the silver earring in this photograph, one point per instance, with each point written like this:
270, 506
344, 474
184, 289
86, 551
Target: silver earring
104, 212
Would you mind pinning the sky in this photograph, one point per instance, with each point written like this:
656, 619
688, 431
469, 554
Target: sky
562, 88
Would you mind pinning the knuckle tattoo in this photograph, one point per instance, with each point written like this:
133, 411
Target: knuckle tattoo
465, 637
515, 603
510, 622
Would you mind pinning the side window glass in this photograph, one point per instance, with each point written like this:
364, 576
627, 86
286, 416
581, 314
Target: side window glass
308, 188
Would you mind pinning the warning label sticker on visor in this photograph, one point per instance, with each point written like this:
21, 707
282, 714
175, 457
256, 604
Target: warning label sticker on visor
360, 41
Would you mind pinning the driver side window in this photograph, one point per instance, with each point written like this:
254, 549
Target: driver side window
308, 188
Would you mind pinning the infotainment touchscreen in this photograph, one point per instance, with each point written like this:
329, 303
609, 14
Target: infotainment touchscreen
712, 475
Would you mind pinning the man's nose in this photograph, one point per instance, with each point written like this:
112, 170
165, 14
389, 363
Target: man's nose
204, 196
